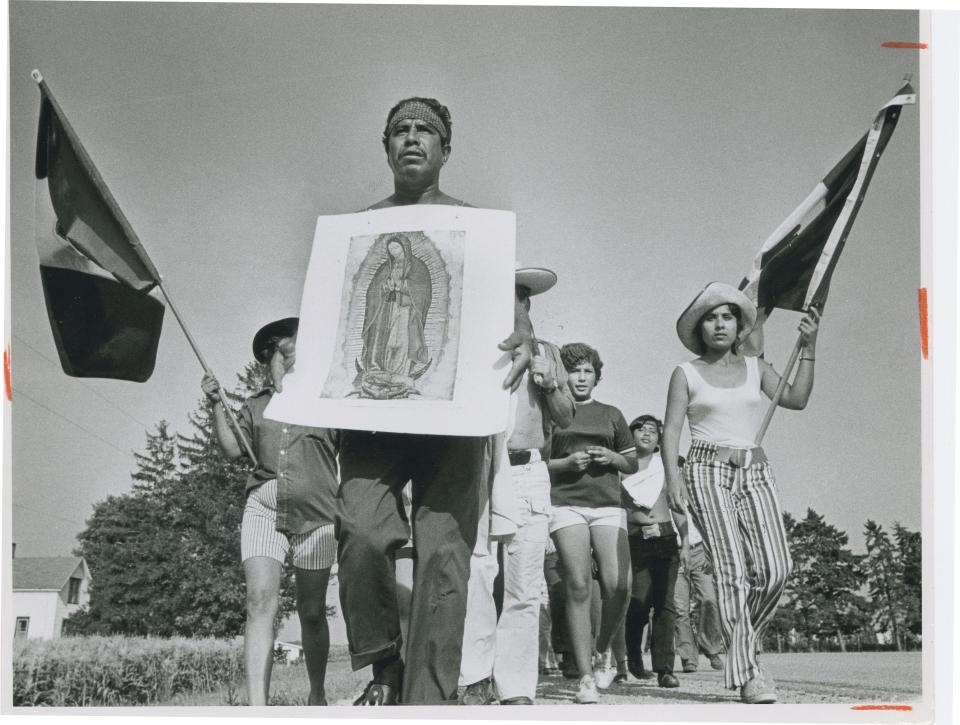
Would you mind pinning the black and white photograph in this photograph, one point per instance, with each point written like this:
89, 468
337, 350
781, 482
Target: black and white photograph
280, 437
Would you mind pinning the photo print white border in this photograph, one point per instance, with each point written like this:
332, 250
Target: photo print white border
457, 388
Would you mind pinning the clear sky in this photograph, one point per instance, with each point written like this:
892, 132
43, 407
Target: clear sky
644, 151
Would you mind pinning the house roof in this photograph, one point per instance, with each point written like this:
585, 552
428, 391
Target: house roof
43, 572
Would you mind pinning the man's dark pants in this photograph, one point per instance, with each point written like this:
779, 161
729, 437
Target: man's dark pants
656, 562
446, 473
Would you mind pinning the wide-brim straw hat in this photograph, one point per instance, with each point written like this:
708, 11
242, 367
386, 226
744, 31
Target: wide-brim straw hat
287, 327
536, 279
710, 297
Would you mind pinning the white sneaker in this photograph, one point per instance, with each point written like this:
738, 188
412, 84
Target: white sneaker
603, 669
760, 689
587, 691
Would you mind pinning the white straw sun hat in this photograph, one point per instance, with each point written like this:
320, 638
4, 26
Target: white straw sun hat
710, 297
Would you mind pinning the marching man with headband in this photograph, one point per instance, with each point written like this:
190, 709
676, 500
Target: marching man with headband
726, 479
446, 473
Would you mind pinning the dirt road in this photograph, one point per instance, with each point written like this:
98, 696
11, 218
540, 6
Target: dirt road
868, 677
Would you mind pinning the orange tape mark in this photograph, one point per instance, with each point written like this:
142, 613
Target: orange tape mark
924, 333
903, 708
6, 373
914, 46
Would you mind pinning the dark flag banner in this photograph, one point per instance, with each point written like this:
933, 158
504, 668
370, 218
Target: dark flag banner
793, 268
97, 279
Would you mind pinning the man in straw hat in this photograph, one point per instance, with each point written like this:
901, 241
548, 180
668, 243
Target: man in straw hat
447, 473
726, 479
500, 657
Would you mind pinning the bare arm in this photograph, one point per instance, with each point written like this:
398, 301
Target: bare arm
638, 516
678, 398
629, 464
225, 435
680, 519
622, 462
559, 407
683, 528
795, 395
555, 394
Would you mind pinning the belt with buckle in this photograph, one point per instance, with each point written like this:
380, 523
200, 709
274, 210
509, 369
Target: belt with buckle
522, 458
739, 457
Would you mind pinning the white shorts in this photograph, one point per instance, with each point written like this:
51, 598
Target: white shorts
563, 516
313, 550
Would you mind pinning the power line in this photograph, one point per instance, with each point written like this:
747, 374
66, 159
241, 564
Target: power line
45, 513
71, 422
84, 385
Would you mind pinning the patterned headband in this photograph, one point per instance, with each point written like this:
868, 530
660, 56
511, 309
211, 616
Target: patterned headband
419, 111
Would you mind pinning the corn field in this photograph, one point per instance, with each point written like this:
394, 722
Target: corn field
118, 670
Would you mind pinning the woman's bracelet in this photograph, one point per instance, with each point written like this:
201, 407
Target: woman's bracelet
811, 359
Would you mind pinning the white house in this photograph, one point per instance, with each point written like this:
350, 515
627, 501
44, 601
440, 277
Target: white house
47, 590
292, 648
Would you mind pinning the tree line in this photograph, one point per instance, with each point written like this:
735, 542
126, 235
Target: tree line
837, 599
164, 558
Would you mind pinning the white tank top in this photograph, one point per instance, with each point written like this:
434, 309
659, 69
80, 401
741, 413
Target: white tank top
725, 416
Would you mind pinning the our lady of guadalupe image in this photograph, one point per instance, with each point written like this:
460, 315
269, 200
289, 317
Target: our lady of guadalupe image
401, 315
395, 352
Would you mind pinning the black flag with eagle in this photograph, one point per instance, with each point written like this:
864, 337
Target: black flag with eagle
98, 282
793, 268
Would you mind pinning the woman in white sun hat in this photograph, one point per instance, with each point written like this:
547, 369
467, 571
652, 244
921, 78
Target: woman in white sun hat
726, 480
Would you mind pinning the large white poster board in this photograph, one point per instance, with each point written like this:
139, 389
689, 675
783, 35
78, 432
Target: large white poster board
400, 317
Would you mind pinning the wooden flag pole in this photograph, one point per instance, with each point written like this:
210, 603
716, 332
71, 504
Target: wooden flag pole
134, 241
780, 387
234, 423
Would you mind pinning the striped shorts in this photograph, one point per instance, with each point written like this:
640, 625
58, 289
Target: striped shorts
313, 550
738, 513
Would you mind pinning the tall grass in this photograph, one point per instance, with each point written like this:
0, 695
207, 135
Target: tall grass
78, 671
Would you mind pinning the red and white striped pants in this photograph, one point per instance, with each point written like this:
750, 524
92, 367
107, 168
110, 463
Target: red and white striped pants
738, 512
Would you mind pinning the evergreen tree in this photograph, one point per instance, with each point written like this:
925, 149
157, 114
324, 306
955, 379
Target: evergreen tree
823, 591
165, 558
158, 466
127, 544
910, 559
885, 578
